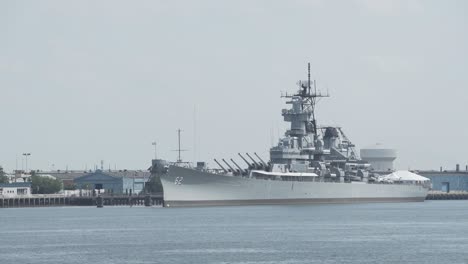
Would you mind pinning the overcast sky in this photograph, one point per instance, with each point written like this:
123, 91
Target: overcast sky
85, 81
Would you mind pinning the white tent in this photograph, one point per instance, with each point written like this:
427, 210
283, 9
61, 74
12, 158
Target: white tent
405, 176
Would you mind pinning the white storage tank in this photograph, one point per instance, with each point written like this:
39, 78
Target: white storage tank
380, 157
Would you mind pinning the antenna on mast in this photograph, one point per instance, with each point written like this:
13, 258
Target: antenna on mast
154, 143
179, 158
194, 133
308, 76
315, 87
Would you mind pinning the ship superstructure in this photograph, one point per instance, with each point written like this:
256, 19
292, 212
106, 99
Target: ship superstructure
307, 147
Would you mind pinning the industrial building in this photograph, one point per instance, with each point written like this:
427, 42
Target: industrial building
108, 182
448, 180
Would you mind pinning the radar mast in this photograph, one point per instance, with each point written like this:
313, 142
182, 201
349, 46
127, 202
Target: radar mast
308, 101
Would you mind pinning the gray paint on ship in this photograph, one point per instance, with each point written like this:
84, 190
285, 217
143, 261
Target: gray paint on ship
190, 187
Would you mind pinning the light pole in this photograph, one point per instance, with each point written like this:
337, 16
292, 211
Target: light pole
155, 153
26, 155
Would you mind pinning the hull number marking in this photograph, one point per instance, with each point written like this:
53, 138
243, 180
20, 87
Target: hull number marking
178, 180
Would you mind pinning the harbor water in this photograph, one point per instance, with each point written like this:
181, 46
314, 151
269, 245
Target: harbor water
428, 232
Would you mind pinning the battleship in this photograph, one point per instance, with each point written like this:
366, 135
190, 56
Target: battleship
310, 164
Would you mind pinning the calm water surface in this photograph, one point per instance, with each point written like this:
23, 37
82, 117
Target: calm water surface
429, 232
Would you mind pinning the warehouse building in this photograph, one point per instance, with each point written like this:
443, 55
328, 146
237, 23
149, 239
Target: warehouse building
105, 182
448, 180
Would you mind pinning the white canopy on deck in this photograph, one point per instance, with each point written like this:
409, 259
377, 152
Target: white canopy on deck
404, 176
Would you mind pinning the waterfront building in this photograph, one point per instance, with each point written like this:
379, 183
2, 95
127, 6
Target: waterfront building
15, 189
447, 180
108, 182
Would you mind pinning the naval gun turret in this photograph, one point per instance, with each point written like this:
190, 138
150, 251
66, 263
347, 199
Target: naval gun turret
258, 166
234, 171
244, 172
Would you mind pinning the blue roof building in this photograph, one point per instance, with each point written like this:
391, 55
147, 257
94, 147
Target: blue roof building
111, 183
446, 181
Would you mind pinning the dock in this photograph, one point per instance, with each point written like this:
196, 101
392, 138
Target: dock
453, 195
45, 200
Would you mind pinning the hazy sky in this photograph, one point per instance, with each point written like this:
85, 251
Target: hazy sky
84, 81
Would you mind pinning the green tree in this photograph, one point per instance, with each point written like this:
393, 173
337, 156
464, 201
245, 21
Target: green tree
45, 185
3, 177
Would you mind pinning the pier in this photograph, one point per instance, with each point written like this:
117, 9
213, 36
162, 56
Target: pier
44, 200
434, 195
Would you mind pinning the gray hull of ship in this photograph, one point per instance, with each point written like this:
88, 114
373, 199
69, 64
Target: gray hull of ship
189, 187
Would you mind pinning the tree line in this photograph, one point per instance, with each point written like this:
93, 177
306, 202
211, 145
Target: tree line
39, 185
44, 185
3, 177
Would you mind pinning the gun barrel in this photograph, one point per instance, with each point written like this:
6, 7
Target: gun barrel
232, 169
240, 169
221, 166
264, 163
256, 164
248, 164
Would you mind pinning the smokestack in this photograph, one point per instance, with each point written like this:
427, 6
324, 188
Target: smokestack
440, 168
466, 167
457, 168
